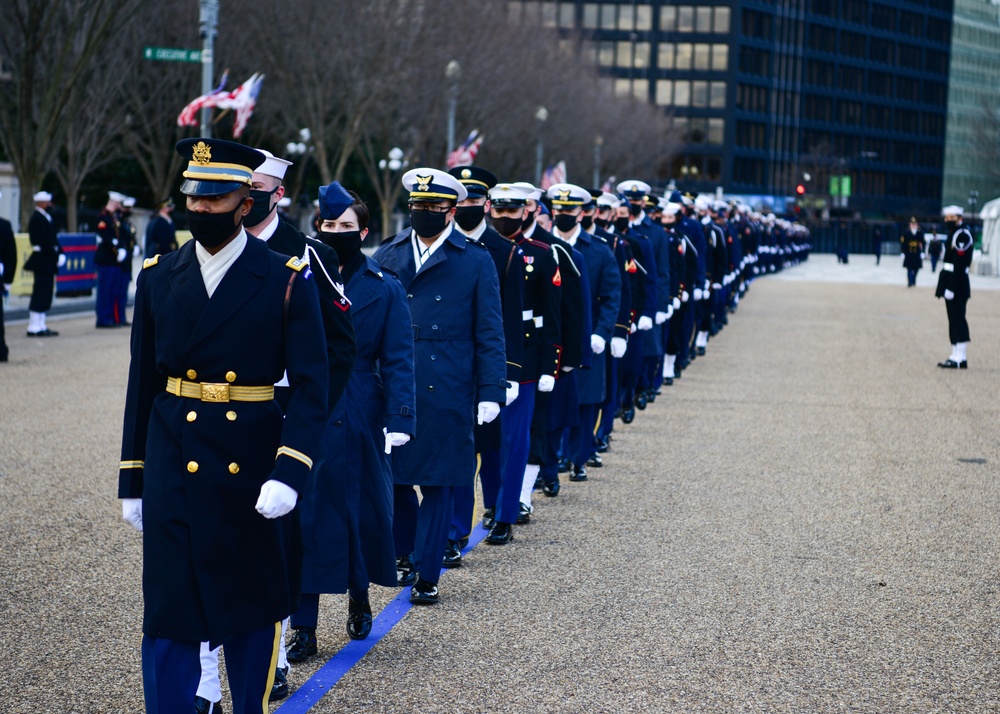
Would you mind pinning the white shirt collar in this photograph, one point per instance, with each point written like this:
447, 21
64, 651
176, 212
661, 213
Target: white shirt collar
421, 252
529, 230
572, 236
44, 213
638, 219
268, 230
476, 233
215, 267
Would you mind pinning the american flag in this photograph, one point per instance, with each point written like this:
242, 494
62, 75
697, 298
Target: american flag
242, 100
553, 175
608, 186
465, 155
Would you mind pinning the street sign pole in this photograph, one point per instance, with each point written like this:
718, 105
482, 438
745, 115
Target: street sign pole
209, 21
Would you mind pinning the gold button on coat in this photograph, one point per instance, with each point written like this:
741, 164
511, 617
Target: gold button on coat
192, 466
191, 374
234, 468
191, 416
230, 376
231, 416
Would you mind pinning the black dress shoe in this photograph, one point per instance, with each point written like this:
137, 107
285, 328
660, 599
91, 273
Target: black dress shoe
595, 461
523, 514
406, 574
279, 690
203, 706
303, 644
564, 466
489, 517
539, 482
452, 555
359, 618
424, 593
669, 381
604, 445
701, 351
628, 416
125, 323
44, 333
108, 326
640, 400
651, 395
500, 534
952, 364
579, 474
551, 488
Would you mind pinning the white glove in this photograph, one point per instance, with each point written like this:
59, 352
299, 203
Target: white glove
645, 323
488, 411
394, 438
513, 389
122, 254
546, 383
567, 369
661, 317
949, 295
685, 297
670, 310
697, 293
62, 260
632, 328
716, 286
923, 256
276, 499
136, 250
677, 301
618, 347
704, 288
597, 344
132, 512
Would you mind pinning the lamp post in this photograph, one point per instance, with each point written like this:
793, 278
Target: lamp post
598, 143
541, 116
452, 72
973, 202
208, 21
389, 190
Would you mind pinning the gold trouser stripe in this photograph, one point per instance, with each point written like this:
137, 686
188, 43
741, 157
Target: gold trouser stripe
193, 390
270, 670
597, 424
132, 464
478, 506
297, 455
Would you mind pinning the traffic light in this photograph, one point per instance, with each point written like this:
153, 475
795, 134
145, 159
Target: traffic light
800, 190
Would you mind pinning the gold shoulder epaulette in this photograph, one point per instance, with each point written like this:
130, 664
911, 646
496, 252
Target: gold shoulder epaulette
150, 262
296, 264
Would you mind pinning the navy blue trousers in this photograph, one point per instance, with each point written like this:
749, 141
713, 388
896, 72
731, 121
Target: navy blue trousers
422, 529
516, 434
121, 293
171, 670
107, 288
610, 406
581, 438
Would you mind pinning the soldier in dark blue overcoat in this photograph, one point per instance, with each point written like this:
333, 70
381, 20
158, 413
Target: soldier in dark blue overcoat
211, 467
454, 299
45, 260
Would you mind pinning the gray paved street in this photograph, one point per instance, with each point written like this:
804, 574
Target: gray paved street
807, 521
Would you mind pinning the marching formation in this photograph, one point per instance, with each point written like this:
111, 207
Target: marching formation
302, 418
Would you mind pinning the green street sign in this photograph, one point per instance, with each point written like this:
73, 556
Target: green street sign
171, 54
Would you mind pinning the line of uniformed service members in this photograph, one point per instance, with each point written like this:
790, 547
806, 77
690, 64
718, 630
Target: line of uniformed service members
474, 336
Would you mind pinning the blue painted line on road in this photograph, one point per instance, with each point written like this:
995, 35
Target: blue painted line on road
327, 676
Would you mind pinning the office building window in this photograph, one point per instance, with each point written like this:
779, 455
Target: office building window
722, 20
818, 108
703, 19
904, 152
665, 55
935, 93
643, 18
664, 92
908, 89
911, 56
883, 16
635, 18
911, 24
691, 18
822, 38
928, 186
906, 122
819, 73
702, 56
846, 144
609, 16
815, 142
879, 83
699, 94
591, 15
931, 124
713, 169
900, 184
852, 79
682, 94
549, 12
752, 98
716, 131
852, 44
878, 116
855, 11
640, 58
717, 95
623, 54
756, 24
638, 88
751, 135
849, 113
720, 58
681, 127
826, 8
749, 171
685, 53
567, 15
939, 31
880, 50
698, 130
755, 61
930, 156
879, 147
685, 18
936, 62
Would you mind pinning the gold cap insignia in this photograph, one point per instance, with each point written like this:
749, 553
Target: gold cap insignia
424, 182
563, 195
202, 153
635, 187
466, 173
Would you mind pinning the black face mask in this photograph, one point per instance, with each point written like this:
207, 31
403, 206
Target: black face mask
602, 222
427, 224
634, 209
507, 226
212, 229
261, 207
528, 220
587, 222
565, 222
346, 243
621, 224
468, 217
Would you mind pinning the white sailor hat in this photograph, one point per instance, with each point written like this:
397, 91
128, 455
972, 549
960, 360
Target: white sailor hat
672, 209
42, 196
566, 196
536, 193
952, 211
634, 189
128, 201
662, 203
431, 185
273, 165
284, 202
608, 200
720, 206
509, 194
702, 203
114, 196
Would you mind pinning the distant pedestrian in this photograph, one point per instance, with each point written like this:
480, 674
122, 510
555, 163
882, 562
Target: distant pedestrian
953, 285
914, 246
877, 245
109, 258
45, 260
8, 268
934, 251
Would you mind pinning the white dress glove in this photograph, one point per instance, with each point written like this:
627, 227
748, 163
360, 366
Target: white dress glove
618, 347
132, 512
567, 369
546, 383
488, 411
394, 438
597, 344
677, 301
697, 293
62, 260
716, 286
949, 295
645, 323
136, 250
670, 310
923, 256
704, 288
513, 389
276, 499
633, 328
661, 317
122, 254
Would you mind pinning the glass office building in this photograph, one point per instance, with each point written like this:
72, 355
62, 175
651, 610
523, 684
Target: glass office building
769, 95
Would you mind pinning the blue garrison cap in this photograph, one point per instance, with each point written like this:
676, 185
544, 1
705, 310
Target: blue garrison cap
333, 201
676, 197
544, 210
